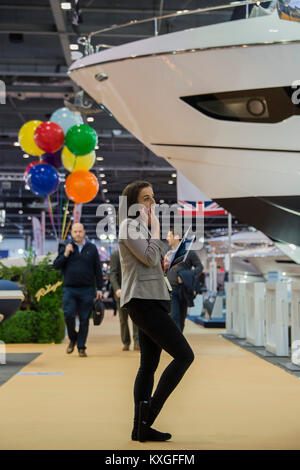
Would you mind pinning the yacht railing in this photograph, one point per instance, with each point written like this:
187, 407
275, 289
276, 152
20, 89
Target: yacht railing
90, 49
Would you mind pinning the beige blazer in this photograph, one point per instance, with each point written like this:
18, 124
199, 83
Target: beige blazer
142, 275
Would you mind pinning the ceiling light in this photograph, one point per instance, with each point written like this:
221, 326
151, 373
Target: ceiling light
104, 182
102, 237
107, 200
20, 251
111, 236
90, 119
102, 175
29, 218
20, 212
99, 159
74, 47
170, 182
284, 274
174, 175
162, 201
25, 155
97, 147
66, 6
105, 190
16, 144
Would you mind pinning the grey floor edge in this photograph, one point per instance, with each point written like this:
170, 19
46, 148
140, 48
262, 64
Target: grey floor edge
282, 362
14, 363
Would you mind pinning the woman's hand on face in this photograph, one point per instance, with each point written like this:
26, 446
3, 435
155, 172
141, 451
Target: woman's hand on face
155, 225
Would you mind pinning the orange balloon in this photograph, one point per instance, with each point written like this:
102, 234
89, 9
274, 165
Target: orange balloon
81, 186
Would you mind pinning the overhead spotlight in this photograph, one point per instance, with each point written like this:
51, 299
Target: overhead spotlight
74, 47
66, 6
20, 211
90, 119
102, 175
99, 159
104, 182
162, 201
25, 155
103, 237
97, 147
105, 190
174, 175
170, 182
16, 144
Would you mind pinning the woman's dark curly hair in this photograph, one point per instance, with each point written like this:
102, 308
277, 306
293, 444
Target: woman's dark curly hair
132, 191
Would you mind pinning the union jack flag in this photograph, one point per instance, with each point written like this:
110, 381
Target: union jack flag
211, 208
200, 208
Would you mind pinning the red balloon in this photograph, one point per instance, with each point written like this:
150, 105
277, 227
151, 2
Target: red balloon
49, 137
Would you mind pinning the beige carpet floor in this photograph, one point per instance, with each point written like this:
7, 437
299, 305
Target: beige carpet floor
228, 399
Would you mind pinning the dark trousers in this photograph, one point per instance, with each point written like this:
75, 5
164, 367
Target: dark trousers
78, 301
157, 331
178, 309
125, 331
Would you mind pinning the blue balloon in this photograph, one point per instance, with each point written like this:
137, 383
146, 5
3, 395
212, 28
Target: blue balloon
66, 118
43, 179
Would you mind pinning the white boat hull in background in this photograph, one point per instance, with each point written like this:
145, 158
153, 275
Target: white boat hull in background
251, 169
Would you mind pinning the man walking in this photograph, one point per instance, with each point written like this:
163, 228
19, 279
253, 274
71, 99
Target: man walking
116, 281
80, 265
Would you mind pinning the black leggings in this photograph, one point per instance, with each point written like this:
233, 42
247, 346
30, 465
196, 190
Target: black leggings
158, 331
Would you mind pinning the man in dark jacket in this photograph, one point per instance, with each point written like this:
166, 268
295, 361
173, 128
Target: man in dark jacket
116, 281
180, 299
79, 263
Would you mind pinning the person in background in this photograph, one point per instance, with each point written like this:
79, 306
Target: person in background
179, 301
80, 265
145, 293
116, 282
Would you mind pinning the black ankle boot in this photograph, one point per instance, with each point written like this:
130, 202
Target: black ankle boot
144, 432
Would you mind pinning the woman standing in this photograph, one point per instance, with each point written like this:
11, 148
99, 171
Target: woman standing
146, 296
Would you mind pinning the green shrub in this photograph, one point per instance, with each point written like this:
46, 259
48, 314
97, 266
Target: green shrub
37, 321
29, 326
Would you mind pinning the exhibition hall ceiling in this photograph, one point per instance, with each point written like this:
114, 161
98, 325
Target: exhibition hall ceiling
38, 43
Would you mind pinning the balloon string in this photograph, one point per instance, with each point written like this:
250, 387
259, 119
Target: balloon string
51, 216
61, 200
58, 214
67, 229
65, 217
68, 226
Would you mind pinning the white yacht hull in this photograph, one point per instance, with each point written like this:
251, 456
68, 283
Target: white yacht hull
248, 167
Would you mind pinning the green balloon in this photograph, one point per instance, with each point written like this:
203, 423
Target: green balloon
81, 139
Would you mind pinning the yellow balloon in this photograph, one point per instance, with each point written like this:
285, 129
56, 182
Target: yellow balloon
73, 163
26, 138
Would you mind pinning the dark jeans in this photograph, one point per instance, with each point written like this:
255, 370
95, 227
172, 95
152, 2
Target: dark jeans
157, 331
78, 300
178, 309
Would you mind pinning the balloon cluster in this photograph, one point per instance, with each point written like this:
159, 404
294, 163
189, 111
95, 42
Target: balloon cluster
63, 141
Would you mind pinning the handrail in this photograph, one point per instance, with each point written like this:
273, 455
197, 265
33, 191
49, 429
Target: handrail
176, 15
86, 41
